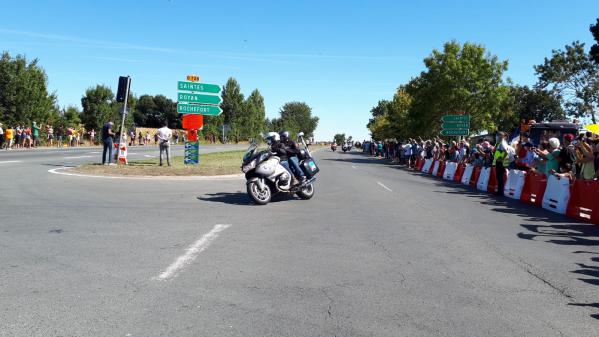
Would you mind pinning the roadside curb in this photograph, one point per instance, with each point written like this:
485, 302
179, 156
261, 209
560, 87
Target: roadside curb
61, 171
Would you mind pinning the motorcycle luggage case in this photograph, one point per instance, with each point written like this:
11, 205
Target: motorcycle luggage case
310, 168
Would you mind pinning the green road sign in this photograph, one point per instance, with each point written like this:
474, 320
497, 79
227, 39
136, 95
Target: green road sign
210, 110
455, 132
198, 98
456, 118
192, 154
452, 126
199, 87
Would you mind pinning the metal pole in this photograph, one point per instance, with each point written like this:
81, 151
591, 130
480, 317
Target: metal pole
124, 112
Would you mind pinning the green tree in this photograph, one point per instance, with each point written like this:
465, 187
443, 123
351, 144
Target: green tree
256, 114
379, 125
595, 48
98, 108
296, 117
339, 139
461, 78
23, 91
573, 75
71, 117
536, 104
233, 108
152, 111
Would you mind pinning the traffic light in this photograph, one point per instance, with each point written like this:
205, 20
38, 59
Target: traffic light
124, 85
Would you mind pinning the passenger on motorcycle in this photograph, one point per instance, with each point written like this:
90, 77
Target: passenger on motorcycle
293, 154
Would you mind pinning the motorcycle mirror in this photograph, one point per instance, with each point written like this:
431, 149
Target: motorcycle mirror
301, 134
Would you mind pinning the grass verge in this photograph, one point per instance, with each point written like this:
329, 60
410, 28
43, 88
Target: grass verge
211, 164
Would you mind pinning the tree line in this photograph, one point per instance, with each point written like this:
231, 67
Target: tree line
466, 78
24, 98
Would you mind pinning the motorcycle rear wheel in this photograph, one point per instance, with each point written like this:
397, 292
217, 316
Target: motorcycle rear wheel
307, 192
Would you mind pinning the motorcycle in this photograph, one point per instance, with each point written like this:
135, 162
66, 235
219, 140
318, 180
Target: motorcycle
334, 147
265, 176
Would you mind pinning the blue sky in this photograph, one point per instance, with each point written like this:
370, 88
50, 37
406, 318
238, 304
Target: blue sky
340, 57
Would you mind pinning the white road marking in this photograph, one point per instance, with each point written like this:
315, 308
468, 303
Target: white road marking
383, 186
10, 161
60, 170
134, 153
149, 156
354, 167
78, 157
94, 152
191, 253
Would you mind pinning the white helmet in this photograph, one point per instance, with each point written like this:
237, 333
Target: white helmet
272, 137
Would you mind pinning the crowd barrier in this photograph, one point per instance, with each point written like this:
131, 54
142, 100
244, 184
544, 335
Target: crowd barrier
482, 183
427, 165
441, 169
584, 203
577, 199
514, 184
435, 168
449, 172
534, 188
467, 174
459, 171
475, 175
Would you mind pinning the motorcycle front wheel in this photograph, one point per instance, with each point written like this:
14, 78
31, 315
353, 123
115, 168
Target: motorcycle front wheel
260, 197
307, 192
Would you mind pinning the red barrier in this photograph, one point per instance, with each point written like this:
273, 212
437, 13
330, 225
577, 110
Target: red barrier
441, 169
457, 177
534, 188
584, 201
474, 178
419, 164
492, 187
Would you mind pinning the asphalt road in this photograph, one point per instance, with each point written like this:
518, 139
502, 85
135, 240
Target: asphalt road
379, 251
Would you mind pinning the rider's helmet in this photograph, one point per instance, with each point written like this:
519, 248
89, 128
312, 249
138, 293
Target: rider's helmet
272, 137
285, 135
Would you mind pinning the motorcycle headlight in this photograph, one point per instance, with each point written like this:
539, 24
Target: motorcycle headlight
248, 167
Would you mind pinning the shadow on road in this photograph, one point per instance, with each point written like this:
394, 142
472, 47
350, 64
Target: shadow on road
236, 198
240, 198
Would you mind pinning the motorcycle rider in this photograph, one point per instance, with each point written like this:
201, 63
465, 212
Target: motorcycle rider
293, 153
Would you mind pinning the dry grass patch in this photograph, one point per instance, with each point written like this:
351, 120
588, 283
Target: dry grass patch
211, 164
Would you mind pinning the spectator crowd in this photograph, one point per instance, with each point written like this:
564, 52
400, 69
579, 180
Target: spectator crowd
32, 136
572, 157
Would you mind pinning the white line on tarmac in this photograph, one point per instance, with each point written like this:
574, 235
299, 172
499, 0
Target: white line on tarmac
191, 253
78, 157
94, 152
60, 171
383, 186
354, 167
10, 161
149, 156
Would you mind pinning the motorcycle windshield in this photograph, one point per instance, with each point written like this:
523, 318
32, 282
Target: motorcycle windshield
250, 152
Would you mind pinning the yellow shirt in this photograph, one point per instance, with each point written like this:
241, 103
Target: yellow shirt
8, 133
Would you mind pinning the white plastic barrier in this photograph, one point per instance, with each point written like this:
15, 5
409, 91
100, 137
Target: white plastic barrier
483, 179
450, 169
557, 194
467, 174
514, 184
435, 168
427, 165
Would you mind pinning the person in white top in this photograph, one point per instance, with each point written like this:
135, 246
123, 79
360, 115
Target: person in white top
164, 137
